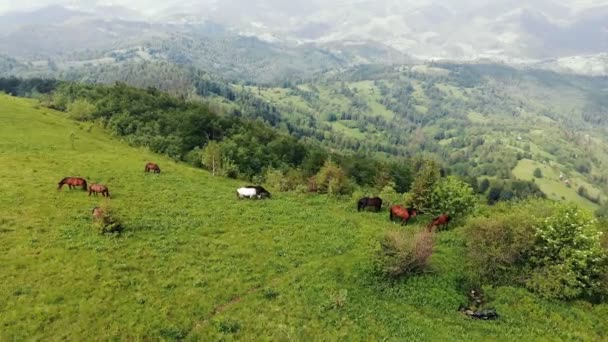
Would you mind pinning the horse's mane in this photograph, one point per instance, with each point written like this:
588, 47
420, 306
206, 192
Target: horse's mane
63, 180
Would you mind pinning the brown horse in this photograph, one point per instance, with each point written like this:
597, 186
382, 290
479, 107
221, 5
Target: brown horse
99, 189
152, 167
441, 220
73, 182
97, 213
404, 214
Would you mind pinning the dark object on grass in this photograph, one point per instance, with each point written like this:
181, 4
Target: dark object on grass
375, 202
489, 314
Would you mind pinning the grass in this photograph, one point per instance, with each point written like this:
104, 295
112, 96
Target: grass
196, 264
551, 185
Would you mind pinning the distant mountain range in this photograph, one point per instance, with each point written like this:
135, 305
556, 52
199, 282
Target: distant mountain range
263, 40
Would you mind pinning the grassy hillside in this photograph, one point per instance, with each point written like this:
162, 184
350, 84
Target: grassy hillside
195, 263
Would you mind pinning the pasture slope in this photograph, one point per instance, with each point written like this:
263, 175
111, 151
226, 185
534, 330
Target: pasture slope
196, 264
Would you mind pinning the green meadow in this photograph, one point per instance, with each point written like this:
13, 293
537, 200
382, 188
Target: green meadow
196, 264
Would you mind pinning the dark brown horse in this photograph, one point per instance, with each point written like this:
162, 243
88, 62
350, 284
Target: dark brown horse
402, 213
73, 182
441, 220
365, 202
152, 167
99, 189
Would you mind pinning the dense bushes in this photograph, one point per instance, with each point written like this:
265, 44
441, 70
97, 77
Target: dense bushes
551, 248
567, 255
453, 197
400, 255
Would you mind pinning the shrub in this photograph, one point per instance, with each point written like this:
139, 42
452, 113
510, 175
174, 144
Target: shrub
567, 255
498, 245
389, 195
81, 110
552, 249
229, 326
105, 220
400, 255
332, 180
453, 197
538, 173
281, 181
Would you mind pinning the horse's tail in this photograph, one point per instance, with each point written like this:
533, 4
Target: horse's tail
84, 185
390, 217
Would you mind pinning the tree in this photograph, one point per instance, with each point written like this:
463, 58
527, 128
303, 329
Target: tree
423, 185
212, 157
332, 180
538, 173
453, 197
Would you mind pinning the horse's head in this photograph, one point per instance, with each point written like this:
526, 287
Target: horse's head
412, 212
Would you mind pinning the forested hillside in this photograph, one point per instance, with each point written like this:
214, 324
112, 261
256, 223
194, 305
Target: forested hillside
485, 121
488, 123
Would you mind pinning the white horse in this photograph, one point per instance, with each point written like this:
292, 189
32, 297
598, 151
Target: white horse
252, 192
247, 193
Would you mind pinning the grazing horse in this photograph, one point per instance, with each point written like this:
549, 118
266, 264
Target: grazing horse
441, 220
99, 189
152, 167
375, 202
97, 213
404, 214
73, 182
252, 191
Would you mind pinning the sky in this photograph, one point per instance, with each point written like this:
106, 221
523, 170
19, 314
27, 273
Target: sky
153, 7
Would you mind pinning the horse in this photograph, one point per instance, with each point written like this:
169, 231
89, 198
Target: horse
73, 182
441, 220
375, 202
252, 191
97, 213
404, 214
99, 189
152, 167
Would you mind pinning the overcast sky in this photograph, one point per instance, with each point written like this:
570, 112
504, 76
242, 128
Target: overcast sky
152, 7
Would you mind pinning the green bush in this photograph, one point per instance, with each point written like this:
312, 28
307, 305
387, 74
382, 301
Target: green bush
400, 255
453, 197
498, 245
567, 255
105, 220
389, 195
81, 110
332, 180
552, 249
538, 173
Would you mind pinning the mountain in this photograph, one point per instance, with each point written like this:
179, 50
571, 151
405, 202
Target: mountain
261, 41
513, 29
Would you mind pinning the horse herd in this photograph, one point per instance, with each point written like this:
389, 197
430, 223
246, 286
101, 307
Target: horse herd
401, 213
76, 182
257, 192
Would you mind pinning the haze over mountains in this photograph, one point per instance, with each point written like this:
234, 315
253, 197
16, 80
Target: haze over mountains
508, 29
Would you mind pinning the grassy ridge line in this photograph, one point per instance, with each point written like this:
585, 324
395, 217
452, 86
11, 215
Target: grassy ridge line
191, 247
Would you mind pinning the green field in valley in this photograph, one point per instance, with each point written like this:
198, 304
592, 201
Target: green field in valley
194, 263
